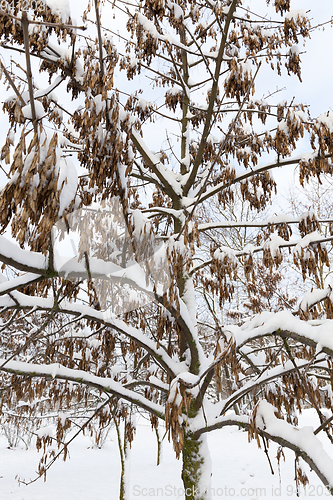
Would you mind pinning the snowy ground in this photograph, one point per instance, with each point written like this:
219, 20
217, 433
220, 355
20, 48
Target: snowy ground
239, 470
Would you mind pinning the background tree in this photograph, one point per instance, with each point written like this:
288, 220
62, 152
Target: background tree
64, 160
315, 199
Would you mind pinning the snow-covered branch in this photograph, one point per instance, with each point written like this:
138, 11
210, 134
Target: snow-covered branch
58, 372
273, 244
276, 220
302, 441
81, 311
315, 333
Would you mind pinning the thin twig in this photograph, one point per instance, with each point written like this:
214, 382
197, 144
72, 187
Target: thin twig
12, 84
25, 27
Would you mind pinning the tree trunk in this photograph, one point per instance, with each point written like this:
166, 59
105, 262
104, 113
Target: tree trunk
196, 471
123, 461
159, 446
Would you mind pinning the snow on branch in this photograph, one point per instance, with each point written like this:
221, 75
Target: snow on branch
315, 296
165, 176
22, 260
59, 372
276, 220
104, 318
273, 244
7, 286
316, 334
265, 378
133, 275
302, 441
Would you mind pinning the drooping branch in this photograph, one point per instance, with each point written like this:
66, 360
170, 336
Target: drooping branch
249, 174
285, 325
321, 465
82, 312
58, 372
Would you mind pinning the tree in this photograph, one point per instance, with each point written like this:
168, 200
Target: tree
100, 170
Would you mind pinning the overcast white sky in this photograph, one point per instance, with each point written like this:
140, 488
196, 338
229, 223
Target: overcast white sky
317, 73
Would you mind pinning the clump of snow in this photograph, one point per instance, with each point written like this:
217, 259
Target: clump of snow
314, 296
294, 50
27, 113
273, 244
116, 369
147, 25
177, 9
223, 252
327, 120
59, 8
246, 67
44, 432
305, 242
174, 394
67, 183
294, 14
25, 257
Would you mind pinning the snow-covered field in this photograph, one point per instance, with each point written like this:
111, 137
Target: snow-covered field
239, 470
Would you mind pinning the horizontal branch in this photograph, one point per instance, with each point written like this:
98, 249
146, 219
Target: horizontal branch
273, 221
140, 383
302, 243
313, 297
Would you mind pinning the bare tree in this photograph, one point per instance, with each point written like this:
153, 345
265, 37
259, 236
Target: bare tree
112, 324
